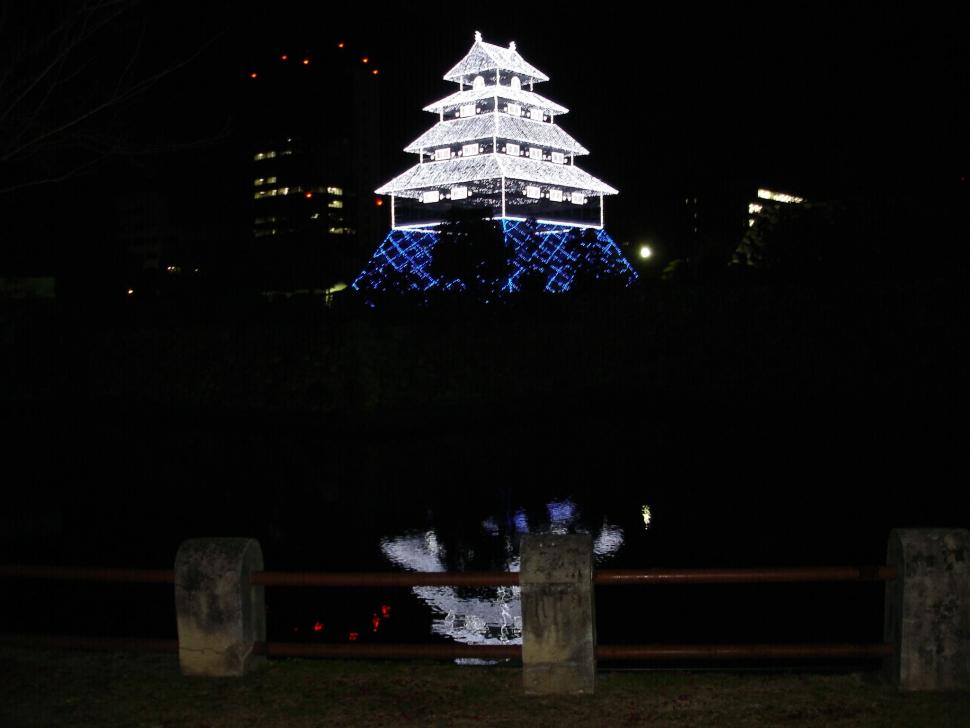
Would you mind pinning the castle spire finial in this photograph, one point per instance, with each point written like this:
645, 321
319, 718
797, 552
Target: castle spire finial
478, 36
512, 46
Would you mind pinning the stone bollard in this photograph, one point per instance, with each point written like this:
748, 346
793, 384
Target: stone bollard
558, 627
928, 609
220, 615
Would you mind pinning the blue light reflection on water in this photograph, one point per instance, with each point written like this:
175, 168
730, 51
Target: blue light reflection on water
489, 615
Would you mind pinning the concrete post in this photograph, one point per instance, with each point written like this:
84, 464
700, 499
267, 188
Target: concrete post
220, 615
558, 626
928, 609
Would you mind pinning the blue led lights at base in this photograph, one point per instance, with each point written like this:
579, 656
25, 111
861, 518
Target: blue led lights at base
551, 253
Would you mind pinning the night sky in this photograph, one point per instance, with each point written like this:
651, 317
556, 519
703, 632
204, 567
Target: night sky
819, 99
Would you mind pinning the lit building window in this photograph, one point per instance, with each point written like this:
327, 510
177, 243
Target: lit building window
514, 110
335, 203
335, 191
532, 191
264, 155
779, 196
469, 150
440, 154
467, 110
753, 208
259, 181
535, 153
459, 193
558, 157
555, 195
578, 198
512, 149
431, 196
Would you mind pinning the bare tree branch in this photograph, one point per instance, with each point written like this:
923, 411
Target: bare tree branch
46, 110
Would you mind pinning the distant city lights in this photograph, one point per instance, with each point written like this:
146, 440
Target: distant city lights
284, 57
647, 516
306, 61
253, 75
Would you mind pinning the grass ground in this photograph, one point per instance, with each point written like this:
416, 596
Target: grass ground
48, 688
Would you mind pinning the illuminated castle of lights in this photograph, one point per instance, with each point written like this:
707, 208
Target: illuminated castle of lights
497, 149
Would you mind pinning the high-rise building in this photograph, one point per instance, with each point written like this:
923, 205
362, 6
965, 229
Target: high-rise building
312, 126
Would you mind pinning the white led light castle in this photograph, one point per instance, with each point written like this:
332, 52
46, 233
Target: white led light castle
496, 148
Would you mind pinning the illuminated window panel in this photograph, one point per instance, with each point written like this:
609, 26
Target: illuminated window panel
459, 193
558, 157
466, 110
338, 191
779, 196
335, 203
754, 208
512, 149
578, 198
532, 191
469, 150
535, 153
555, 195
442, 154
432, 196
513, 110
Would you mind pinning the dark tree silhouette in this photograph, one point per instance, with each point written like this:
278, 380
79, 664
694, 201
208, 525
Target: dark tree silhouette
69, 75
470, 253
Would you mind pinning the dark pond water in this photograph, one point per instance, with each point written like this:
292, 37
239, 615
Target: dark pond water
685, 486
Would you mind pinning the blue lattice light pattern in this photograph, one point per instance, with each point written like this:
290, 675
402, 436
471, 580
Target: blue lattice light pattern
552, 254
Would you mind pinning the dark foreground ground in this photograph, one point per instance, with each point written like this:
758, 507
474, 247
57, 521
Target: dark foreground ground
41, 688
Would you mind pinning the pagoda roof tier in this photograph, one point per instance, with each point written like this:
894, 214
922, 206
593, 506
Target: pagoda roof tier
489, 57
514, 128
491, 166
519, 96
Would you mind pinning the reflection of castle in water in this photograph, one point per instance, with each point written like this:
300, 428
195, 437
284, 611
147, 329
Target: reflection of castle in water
489, 615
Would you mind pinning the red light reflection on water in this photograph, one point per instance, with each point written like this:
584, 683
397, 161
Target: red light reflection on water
385, 611
353, 636
375, 622
318, 626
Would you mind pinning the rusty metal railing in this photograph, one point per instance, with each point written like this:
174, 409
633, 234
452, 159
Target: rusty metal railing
605, 577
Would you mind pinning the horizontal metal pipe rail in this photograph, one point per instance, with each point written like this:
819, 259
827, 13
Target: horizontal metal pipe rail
87, 573
743, 652
603, 577
609, 653
744, 576
390, 579
72, 642
358, 650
